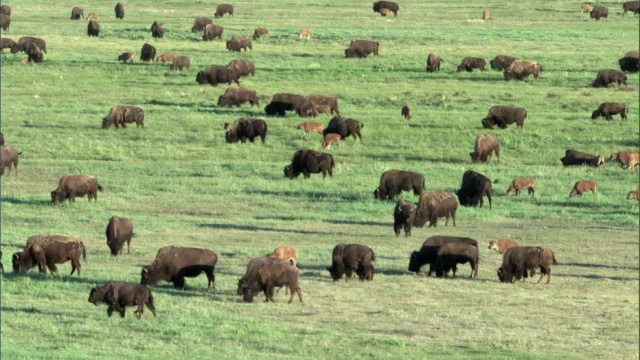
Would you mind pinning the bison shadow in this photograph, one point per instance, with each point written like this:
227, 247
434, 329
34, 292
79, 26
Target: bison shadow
31, 310
257, 228
596, 277
18, 201
356, 222
599, 266
62, 274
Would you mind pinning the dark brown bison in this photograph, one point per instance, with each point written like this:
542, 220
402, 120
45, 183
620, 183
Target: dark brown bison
406, 112
295, 100
5, 9
246, 128
200, 23
223, 9
214, 75
47, 250
517, 261
361, 48
181, 62
5, 21
118, 295
433, 205
24, 42
267, 273
633, 6
583, 186
390, 5
348, 258
119, 10
119, 230
77, 13
502, 62
317, 99
453, 253
7, 43
519, 184
520, 69
433, 62
473, 188
403, 217
577, 158
239, 43
10, 156
126, 57
261, 33
157, 30
503, 115
393, 182
429, 250
236, 96
599, 12
277, 108
72, 186
608, 109
211, 32
93, 28
148, 52
629, 64
485, 146
122, 115
243, 67
309, 162
470, 63
609, 76
174, 263
344, 127
34, 54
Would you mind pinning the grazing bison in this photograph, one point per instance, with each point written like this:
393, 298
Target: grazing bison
119, 230
502, 245
5, 22
10, 156
310, 127
265, 274
126, 57
503, 115
393, 182
236, 96
261, 33
485, 146
118, 294
429, 250
47, 250
633, 195
520, 69
583, 186
389, 5
200, 23
608, 109
633, 6
166, 57
181, 62
519, 184
362, 48
453, 253
586, 8
330, 138
433, 62
119, 10
309, 162
211, 32
72, 186
406, 112
223, 9
609, 76
246, 128
93, 28
5, 9
577, 158
174, 263
243, 67
7, 43
289, 253
434, 204
305, 32
502, 62
470, 63
599, 12
214, 75
77, 13
315, 110
34, 54
628, 159
344, 127
348, 258
516, 261
277, 108
24, 42
629, 64
122, 115
148, 52
295, 100
157, 31
403, 217
473, 188
239, 43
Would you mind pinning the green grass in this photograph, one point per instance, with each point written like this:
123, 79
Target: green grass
181, 183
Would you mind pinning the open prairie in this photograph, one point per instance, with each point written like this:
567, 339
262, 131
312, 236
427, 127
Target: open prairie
181, 183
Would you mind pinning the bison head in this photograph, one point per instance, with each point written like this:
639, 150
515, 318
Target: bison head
475, 157
57, 196
202, 77
146, 276
22, 261
96, 296
288, 172
231, 136
336, 274
107, 122
504, 274
487, 123
415, 262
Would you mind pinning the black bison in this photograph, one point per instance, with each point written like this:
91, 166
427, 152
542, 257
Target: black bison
123, 114
200, 23
577, 158
34, 54
77, 13
406, 112
246, 128
519, 184
239, 43
599, 12
520, 69
433, 62
72, 186
473, 189
181, 62
10, 156
453, 253
609, 76
582, 186
261, 32
428, 253
223, 9
119, 230
393, 182
93, 28
7, 43
24, 42
5, 21
502, 62
390, 5
174, 263
433, 205
211, 32
119, 10
629, 64
309, 162
214, 75
348, 258
503, 115
236, 96
278, 108
470, 63
243, 67
266, 273
148, 52
126, 57
518, 260
157, 30
48, 250
295, 100
485, 146
403, 217
361, 48
344, 127
118, 295
609, 109
633, 6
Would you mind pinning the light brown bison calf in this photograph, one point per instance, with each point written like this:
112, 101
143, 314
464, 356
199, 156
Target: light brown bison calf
626, 158
305, 32
519, 184
92, 15
582, 186
486, 15
586, 8
502, 245
126, 57
310, 127
10, 156
261, 33
406, 112
485, 146
288, 253
166, 57
633, 195
331, 138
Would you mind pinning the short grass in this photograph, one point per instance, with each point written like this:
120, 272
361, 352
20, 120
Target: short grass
181, 183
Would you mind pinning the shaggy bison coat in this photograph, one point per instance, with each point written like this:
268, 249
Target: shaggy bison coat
502, 245
119, 230
118, 295
181, 62
157, 31
609, 76
122, 115
362, 48
433, 62
126, 57
239, 43
10, 157
348, 258
633, 6
214, 75
433, 205
295, 100
520, 69
93, 28
599, 12
503, 115
24, 42
519, 184
307, 162
200, 23
470, 63
403, 217
453, 253
633, 195
608, 109
264, 274
583, 186
174, 263
5, 21
246, 128
577, 158
5, 9
429, 250
485, 146
119, 10
48, 250
243, 67
393, 182
502, 62
517, 261
148, 52
629, 64
390, 5
236, 96
223, 9
72, 186
211, 32
473, 188
261, 32
77, 13
344, 127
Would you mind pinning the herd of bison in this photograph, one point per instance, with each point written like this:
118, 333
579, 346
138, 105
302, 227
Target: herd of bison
279, 269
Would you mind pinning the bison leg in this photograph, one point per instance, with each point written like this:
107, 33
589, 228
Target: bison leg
211, 277
178, 282
453, 216
151, 307
407, 230
396, 229
110, 310
531, 190
52, 268
75, 264
269, 293
128, 245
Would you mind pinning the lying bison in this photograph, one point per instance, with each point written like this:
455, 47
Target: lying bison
473, 188
348, 258
211, 32
214, 75
389, 5
503, 115
10, 157
404, 214
453, 253
435, 204
577, 158
428, 253
223, 9
433, 62
236, 96
174, 263
470, 63
119, 230
362, 49
393, 182
307, 162
200, 23
265, 275
502, 62
485, 146
118, 295
344, 127
518, 260
609, 76
246, 128
122, 115
519, 70
48, 250
608, 109
519, 184
148, 52
72, 186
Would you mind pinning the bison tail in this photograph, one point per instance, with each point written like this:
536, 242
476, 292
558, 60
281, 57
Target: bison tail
20, 153
553, 257
84, 252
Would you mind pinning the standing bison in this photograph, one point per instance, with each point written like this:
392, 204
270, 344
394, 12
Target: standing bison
174, 263
5, 21
503, 115
77, 13
211, 32
403, 217
502, 62
393, 182
344, 127
517, 261
236, 96
470, 63
119, 10
428, 253
406, 112
362, 48
389, 5
434, 204
246, 128
118, 294
93, 28
633, 6
157, 30
316, 99
519, 70
148, 52
48, 250
599, 12
261, 33
453, 253
433, 62
266, 273
34, 54
485, 146
10, 156
214, 75
243, 67
348, 258
119, 230
309, 162
72, 186
609, 76
24, 42
223, 9
473, 188
181, 62
123, 114
582, 186
578, 158
200, 23
629, 64
239, 43
519, 184
608, 109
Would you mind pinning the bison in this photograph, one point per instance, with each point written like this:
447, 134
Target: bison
586, 8
348, 258
310, 127
345, 127
577, 158
223, 9
10, 157
122, 115
288, 253
246, 128
174, 263
267, 273
629, 64
317, 99
633, 195
157, 30
200, 23
119, 10
243, 67
261, 33
126, 57
403, 217
5, 9
277, 108
433, 62
608, 109
94, 15
502, 62
148, 52
330, 138
389, 5
181, 62
305, 32
502, 245
470, 63
77, 13
628, 159
434, 204
236, 96
609, 76
214, 75
519, 184
429, 250
72, 186
393, 182
361, 48
7, 43
599, 12
503, 115
485, 146
453, 253
473, 188
307, 161
239, 43
583, 186
93, 28
34, 54
517, 260
24, 42
633, 6
486, 15
406, 112
5, 21
316, 110
118, 295
166, 57
119, 230
211, 32
48, 250
295, 100
520, 69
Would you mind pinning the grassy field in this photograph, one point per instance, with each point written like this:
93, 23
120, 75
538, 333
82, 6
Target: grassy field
180, 183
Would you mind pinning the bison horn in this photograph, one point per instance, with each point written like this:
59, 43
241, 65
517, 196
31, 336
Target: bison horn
145, 270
